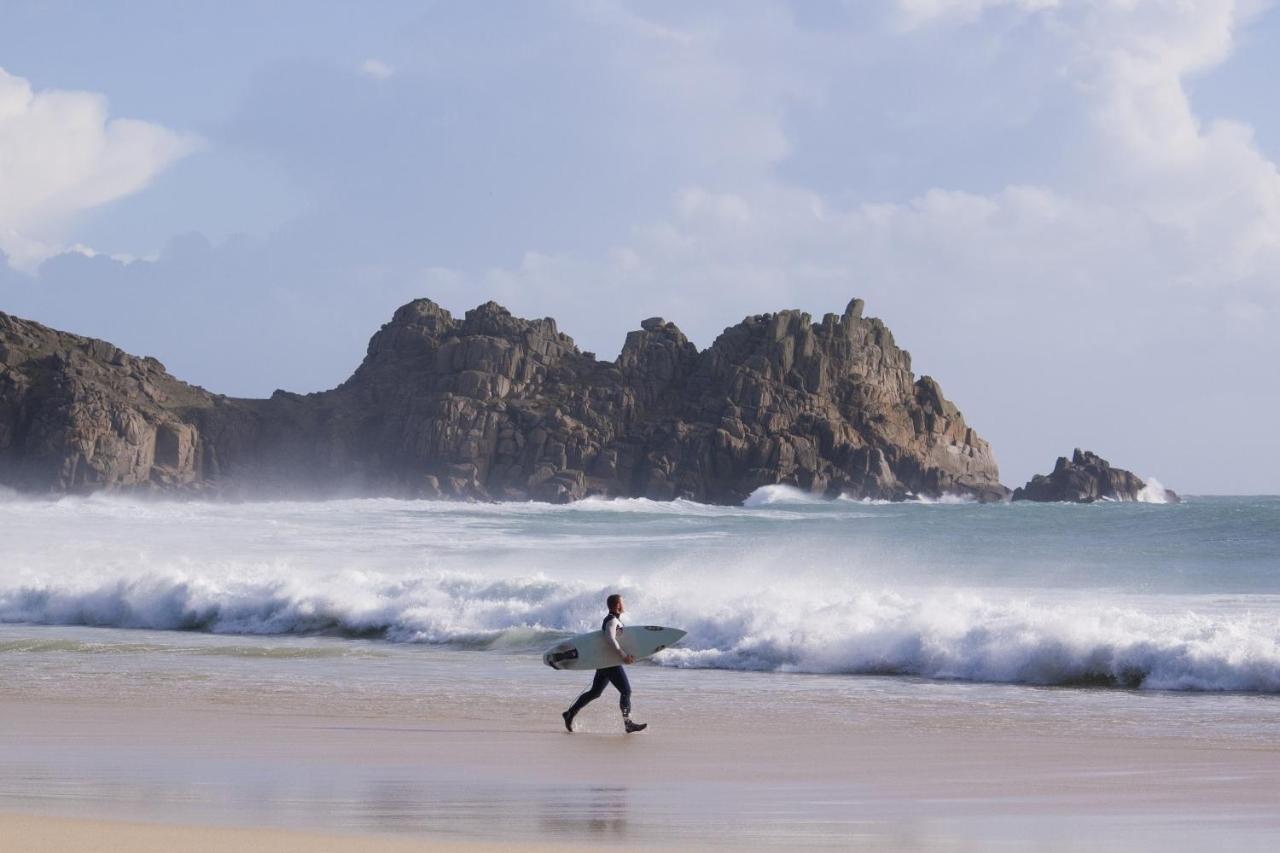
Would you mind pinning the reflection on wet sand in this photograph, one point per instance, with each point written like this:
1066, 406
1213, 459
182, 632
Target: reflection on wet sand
598, 812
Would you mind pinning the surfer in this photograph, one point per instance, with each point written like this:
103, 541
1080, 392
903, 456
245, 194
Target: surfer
615, 675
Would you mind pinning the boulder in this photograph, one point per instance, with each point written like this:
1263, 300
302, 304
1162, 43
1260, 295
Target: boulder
1084, 478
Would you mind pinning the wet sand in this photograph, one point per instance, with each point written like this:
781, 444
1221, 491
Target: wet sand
474, 755
44, 834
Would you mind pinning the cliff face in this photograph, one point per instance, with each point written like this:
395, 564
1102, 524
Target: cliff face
492, 406
77, 414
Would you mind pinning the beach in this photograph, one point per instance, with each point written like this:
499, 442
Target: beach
477, 756
53, 835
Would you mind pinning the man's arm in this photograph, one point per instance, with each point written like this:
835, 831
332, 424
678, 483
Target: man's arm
611, 634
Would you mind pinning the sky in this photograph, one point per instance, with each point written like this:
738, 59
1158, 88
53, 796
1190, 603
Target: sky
1068, 212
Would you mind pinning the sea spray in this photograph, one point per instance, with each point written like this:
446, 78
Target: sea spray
1153, 492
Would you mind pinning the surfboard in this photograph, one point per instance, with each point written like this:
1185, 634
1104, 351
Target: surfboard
592, 650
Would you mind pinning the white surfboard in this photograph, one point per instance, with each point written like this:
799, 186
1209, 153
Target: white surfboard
592, 650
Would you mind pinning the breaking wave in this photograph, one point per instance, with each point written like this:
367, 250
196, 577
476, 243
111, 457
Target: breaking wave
779, 494
1133, 642
1153, 492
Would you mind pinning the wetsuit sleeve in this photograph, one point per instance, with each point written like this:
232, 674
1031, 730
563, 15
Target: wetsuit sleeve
611, 635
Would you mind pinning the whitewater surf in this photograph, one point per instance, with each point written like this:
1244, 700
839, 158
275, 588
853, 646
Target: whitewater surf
1137, 596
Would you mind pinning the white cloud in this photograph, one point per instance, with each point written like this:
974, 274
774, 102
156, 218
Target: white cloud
920, 12
61, 155
1148, 156
1153, 195
714, 87
1209, 183
376, 69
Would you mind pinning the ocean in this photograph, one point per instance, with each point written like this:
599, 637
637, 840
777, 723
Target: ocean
1145, 596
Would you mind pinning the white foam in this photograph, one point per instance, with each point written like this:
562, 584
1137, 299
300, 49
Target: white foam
780, 494
646, 506
936, 635
944, 500
951, 636
1153, 492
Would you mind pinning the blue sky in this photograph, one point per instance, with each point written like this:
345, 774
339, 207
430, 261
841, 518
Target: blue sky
1068, 212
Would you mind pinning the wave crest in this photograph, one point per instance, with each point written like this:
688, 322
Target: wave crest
942, 635
780, 494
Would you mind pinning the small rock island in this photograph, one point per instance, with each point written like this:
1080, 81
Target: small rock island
1084, 478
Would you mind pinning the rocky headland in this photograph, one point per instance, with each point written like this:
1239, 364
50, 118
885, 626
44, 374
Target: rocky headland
494, 407
1087, 477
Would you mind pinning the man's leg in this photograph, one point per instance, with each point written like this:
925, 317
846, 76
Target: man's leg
597, 687
618, 676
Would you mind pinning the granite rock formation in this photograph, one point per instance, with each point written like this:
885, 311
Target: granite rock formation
1084, 478
77, 414
491, 406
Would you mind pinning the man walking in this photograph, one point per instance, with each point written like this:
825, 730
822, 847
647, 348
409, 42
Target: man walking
615, 675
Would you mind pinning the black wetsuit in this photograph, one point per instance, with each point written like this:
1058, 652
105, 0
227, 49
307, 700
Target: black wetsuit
615, 675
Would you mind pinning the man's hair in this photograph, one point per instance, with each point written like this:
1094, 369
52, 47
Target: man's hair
612, 601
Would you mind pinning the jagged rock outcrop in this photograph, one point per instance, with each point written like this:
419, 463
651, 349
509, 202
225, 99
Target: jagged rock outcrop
78, 414
1084, 478
491, 406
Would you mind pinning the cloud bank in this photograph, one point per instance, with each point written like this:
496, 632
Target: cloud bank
60, 155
